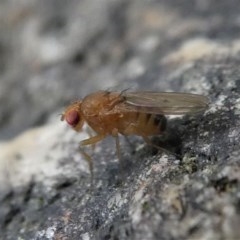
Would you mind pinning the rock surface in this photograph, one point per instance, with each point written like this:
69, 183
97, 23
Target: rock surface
53, 52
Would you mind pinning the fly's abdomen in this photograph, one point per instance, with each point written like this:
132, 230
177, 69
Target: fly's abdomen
146, 124
160, 122
152, 124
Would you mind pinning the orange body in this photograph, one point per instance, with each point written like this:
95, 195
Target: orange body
104, 113
129, 113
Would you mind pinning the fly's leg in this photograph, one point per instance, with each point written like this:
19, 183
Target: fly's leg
118, 152
149, 142
90, 141
90, 163
90, 134
118, 148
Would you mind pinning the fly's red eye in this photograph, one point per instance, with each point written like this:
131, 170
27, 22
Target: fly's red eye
72, 118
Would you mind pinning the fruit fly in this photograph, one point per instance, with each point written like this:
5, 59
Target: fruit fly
129, 113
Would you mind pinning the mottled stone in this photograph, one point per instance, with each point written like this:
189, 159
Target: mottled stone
54, 52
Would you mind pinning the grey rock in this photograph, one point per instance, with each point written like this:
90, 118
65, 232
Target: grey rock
54, 52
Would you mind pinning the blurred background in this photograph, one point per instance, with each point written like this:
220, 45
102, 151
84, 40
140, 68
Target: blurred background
53, 52
56, 51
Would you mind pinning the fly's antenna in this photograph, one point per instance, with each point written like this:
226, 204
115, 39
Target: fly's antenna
61, 116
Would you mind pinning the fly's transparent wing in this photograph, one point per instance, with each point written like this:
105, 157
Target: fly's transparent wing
170, 103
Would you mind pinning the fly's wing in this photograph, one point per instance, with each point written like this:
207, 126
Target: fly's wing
169, 103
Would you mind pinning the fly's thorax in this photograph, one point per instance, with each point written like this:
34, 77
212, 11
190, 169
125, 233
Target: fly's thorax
91, 104
99, 103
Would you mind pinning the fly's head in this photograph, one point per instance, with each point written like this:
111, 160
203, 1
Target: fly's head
73, 116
